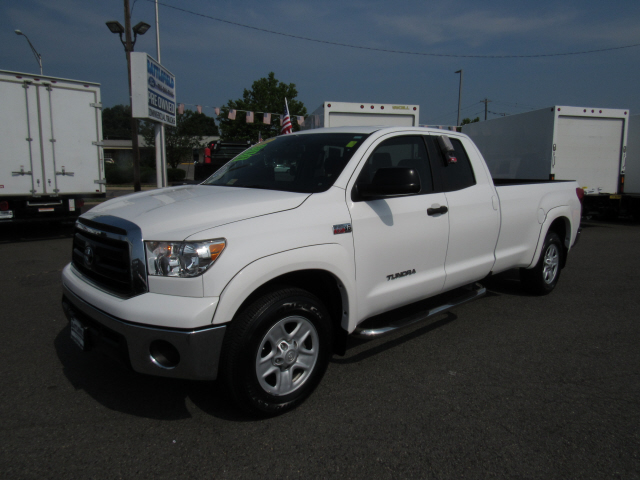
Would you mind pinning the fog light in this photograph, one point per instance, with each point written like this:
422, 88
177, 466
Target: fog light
164, 354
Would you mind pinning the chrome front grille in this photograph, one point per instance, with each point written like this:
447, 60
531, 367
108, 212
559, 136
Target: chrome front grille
109, 252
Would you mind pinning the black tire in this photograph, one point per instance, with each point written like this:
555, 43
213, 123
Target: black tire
261, 373
543, 278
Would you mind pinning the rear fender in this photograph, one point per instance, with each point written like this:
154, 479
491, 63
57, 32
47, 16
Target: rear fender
563, 212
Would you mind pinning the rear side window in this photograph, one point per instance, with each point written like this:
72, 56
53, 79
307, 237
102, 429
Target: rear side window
407, 152
453, 176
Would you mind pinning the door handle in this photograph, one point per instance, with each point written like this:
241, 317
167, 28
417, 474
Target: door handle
436, 211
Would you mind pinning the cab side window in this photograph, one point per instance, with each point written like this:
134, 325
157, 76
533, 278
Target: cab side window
453, 176
407, 152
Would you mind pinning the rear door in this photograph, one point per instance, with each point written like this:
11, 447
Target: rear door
400, 248
72, 139
20, 158
474, 217
589, 150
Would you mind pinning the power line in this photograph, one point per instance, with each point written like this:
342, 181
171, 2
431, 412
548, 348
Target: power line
518, 105
386, 50
455, 111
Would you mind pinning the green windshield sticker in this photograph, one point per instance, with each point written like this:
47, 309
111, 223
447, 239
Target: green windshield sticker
252, 151
351, 144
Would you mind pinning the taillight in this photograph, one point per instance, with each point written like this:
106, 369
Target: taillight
580, 194
4, 206
79, 203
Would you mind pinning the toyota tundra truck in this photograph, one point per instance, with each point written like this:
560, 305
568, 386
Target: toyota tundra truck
260, 274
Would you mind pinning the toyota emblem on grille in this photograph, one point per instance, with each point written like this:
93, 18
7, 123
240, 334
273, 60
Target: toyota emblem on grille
88, 255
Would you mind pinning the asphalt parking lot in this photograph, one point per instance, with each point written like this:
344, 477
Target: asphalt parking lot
509, 386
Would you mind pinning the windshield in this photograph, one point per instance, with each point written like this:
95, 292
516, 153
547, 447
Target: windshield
294, 163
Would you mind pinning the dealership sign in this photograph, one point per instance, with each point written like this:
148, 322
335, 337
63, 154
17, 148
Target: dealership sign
153, 90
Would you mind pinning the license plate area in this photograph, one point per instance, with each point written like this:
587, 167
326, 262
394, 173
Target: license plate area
79, 334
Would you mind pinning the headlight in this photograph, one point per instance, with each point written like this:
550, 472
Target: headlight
182, 259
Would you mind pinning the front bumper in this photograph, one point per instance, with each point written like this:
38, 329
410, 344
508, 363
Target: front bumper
146, 349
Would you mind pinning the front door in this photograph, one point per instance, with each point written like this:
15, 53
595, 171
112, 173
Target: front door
400, 248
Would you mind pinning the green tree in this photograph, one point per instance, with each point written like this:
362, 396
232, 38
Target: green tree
266, 95
465, 121
180, 140
116, 123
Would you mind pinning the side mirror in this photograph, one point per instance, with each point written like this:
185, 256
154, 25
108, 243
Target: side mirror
446, 147
390, 182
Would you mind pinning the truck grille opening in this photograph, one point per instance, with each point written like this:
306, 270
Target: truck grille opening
104, 260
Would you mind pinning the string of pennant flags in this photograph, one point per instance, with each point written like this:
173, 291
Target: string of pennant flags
249, 115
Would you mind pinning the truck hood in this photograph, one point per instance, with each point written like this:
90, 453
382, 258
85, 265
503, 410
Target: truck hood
175, 213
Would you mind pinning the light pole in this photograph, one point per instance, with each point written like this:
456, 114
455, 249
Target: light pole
139, 29
161, 154
33, 49
459, 97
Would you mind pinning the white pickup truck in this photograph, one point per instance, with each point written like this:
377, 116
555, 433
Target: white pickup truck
259, 274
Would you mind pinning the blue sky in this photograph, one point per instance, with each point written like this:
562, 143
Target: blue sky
213, 61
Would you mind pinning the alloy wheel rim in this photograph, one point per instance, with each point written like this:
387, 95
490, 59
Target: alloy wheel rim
551, 264
287, 355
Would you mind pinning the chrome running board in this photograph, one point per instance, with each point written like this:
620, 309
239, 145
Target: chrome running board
477, 291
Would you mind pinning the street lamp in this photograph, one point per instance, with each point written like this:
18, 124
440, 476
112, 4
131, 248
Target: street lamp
459, 97
35, 52
139, 29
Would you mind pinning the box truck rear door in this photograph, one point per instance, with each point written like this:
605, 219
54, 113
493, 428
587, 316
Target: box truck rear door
20, 166
588, 150
70, 127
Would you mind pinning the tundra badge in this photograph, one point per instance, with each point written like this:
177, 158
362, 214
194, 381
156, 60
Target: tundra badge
401, 274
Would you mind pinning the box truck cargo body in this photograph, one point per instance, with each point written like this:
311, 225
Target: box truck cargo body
632, 171
50, 146
631, 197
562, 143
348, 114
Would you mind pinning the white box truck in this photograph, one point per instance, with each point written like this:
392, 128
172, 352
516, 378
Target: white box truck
562, 143
50, 147
350, 114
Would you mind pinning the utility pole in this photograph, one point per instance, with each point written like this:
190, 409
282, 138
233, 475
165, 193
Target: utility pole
134, 122
459, 97
486, 102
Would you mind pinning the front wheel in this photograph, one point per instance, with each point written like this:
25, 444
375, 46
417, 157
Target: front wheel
276, 351
543, 278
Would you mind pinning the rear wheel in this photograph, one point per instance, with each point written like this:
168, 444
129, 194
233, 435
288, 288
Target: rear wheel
543, 278
276, 351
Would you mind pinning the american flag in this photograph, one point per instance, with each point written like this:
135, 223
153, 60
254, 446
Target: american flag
286, 120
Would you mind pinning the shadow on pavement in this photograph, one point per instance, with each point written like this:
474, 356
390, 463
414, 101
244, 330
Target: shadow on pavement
120, 389
35, 231
505, 283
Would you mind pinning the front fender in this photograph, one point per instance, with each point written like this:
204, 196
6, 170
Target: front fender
332, 258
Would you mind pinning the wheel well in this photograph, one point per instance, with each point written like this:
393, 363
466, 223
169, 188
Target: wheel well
562, 227
323, 285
